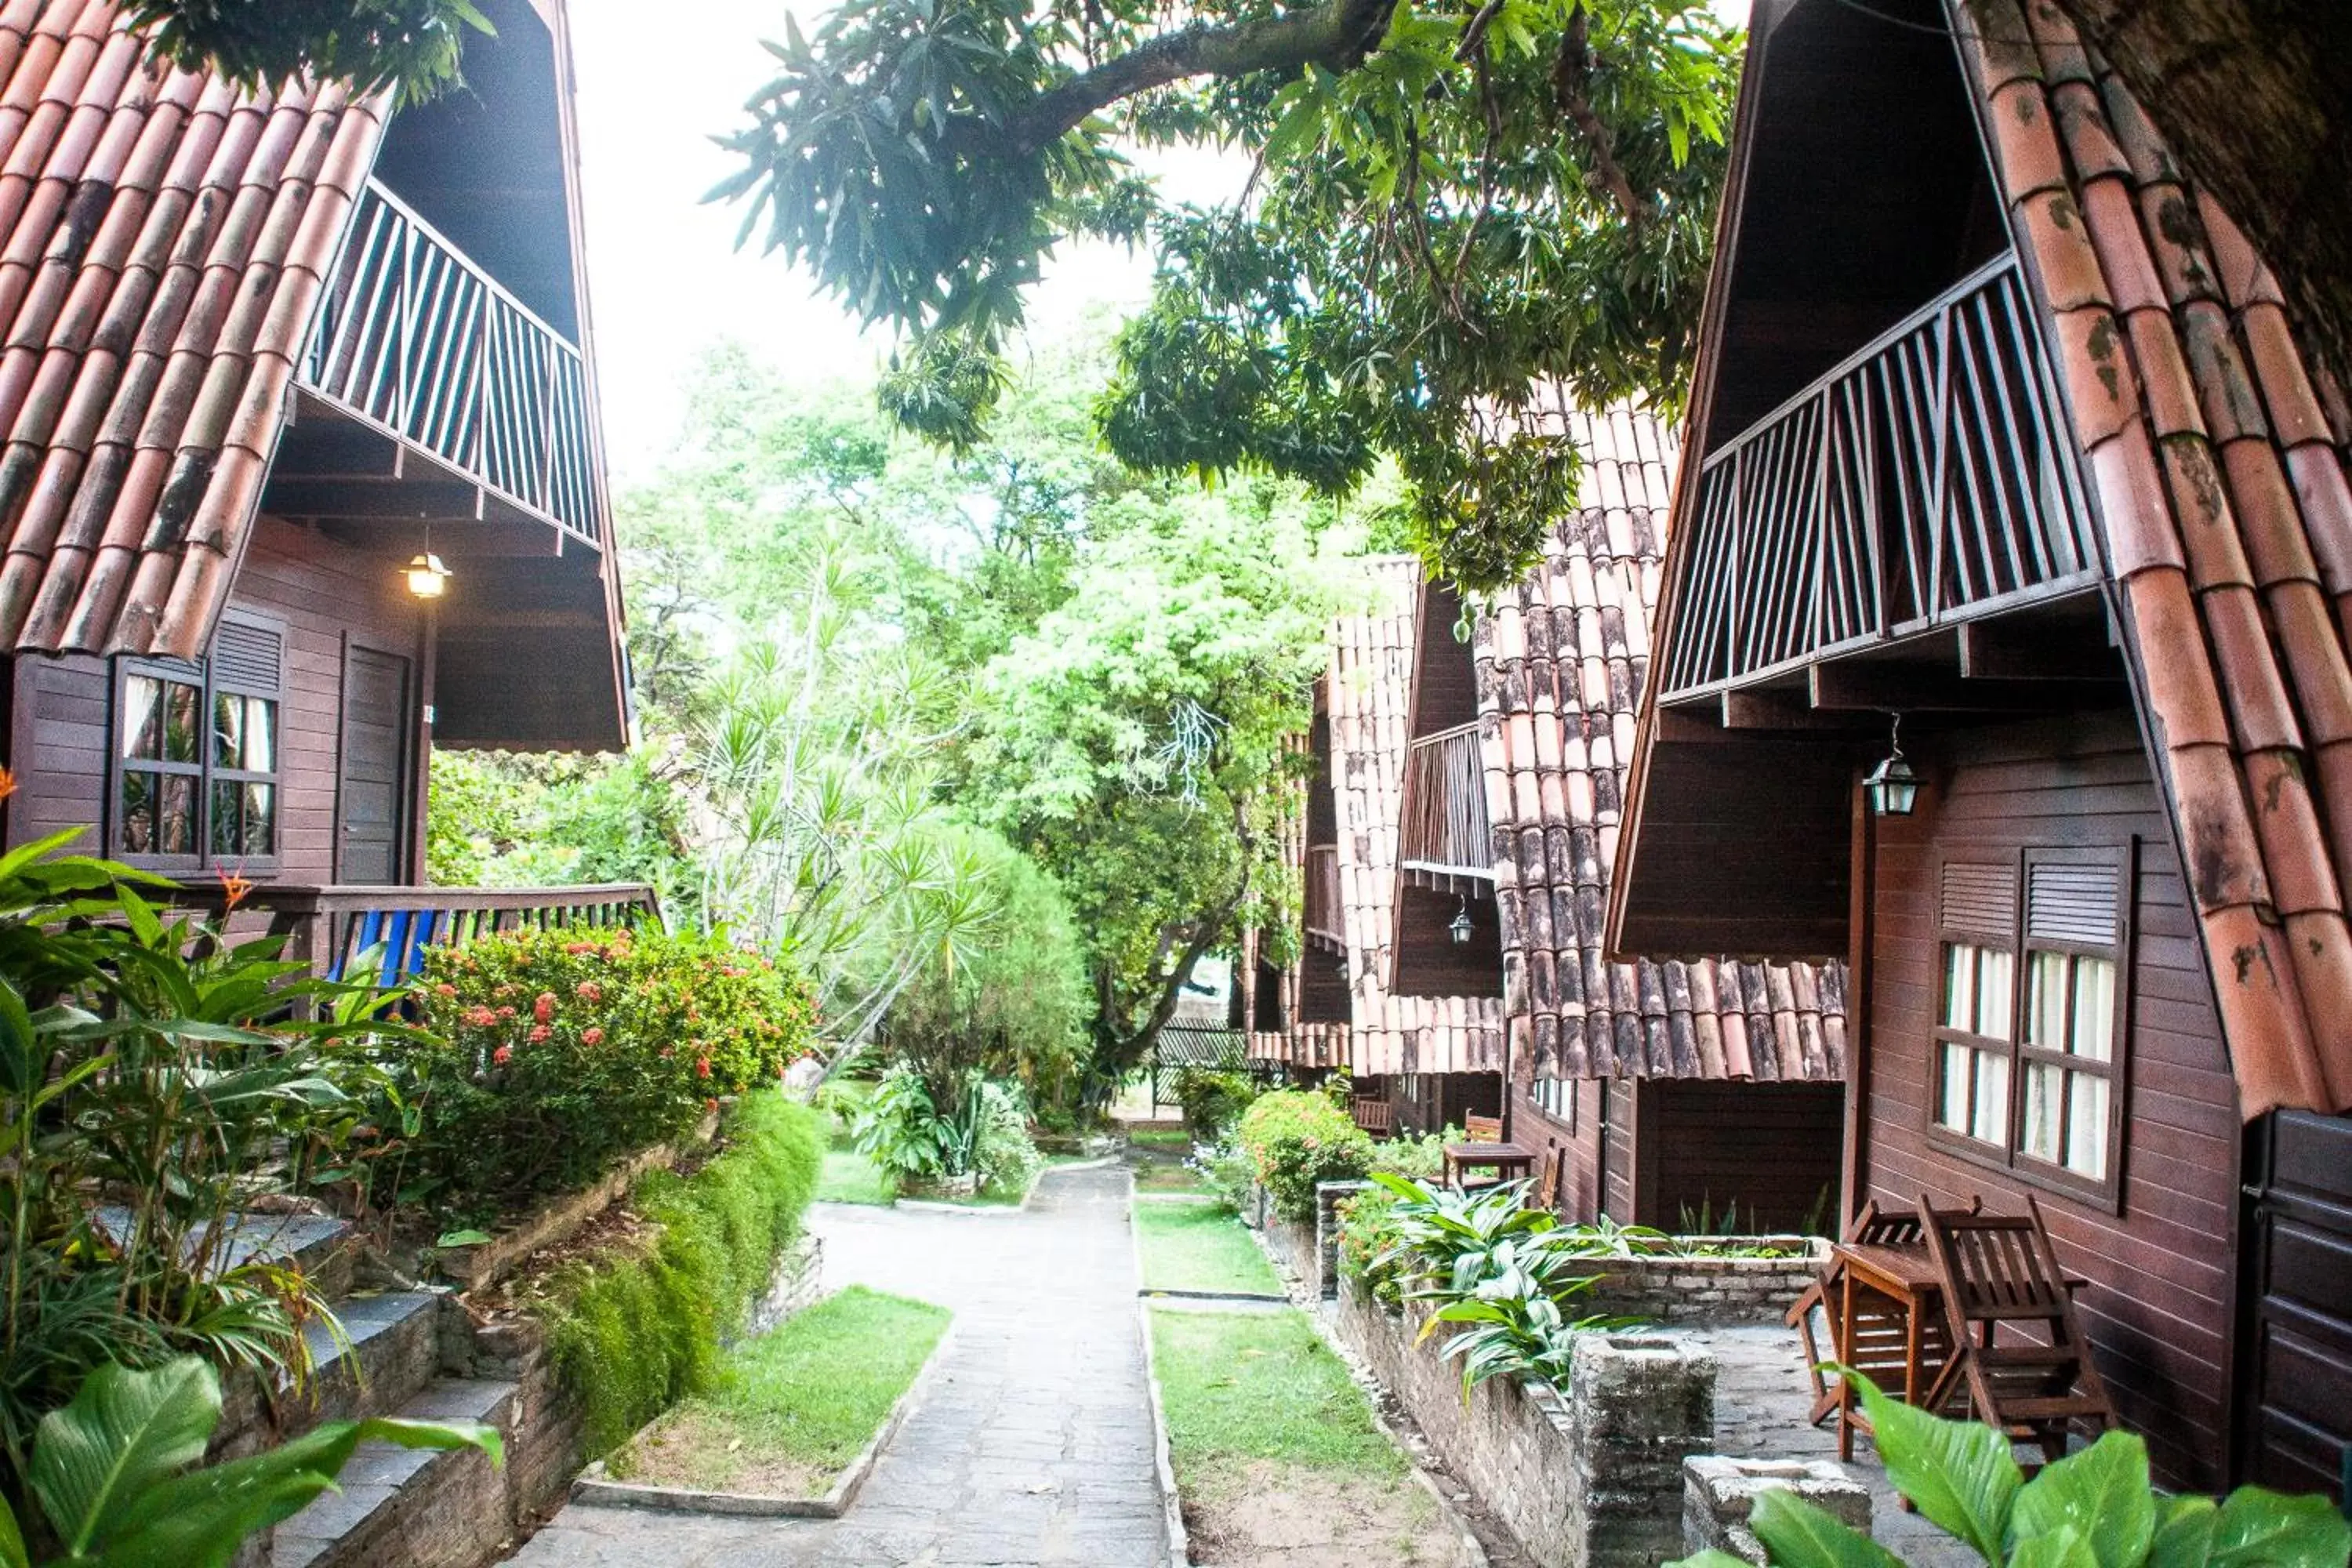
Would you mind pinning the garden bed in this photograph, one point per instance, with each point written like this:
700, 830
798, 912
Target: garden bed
1276, 1459
1716, 1279
797, 1421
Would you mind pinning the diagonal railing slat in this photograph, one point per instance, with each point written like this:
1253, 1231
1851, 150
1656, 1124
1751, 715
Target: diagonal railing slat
1922, 482
417, 338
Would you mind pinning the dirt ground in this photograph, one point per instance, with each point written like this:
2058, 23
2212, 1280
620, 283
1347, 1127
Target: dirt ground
691, 1451
1274, 1515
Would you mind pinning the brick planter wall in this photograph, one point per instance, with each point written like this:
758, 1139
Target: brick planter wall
1310, 1252
1589, 1480
1707, 1290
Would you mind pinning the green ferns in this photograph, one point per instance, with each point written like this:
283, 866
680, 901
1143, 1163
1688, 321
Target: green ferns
633, 1335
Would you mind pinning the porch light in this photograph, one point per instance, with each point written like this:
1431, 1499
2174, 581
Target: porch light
427, 577
1892, 789
1459, 927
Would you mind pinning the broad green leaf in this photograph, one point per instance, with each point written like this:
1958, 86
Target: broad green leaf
1799, 1534
2184, 1532
2064, 1547
2256, 1526
124, 1432
461, 1239
1711, 1558
197, 1520
12, 1539
2102, 1494
1958, 1474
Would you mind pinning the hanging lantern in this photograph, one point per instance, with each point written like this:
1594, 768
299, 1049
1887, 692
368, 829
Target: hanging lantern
1460, 927
427, 577
1892, 788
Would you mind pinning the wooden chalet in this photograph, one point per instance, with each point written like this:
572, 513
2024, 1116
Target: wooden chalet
1677, 1086
262, 352
1424, 1060
2000, 426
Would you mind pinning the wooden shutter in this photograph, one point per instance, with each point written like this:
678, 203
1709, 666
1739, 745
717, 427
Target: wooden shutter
1979, 900
2073, 901
248, 657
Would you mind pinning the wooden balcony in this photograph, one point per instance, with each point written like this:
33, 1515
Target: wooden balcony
1927, 481
471, 412
332, 928
1444, 841
1326, 926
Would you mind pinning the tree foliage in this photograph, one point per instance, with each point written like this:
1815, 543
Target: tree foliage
411, 46
1461, 212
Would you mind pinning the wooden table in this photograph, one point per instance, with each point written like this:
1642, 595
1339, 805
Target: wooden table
1505, 1159
1872, 1279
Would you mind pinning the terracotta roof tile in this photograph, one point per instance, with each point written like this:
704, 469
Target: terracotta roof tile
162, 239
1558, 714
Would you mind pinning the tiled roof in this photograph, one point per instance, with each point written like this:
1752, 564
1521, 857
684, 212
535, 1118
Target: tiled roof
2218, 461
1370, 696
162, 239
1562, 659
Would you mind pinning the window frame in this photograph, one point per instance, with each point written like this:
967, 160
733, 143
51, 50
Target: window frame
205, 676
2105, 1190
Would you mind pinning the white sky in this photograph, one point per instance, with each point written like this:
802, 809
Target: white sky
665, 279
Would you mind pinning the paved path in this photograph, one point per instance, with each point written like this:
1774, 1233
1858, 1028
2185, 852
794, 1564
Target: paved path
1033, 1447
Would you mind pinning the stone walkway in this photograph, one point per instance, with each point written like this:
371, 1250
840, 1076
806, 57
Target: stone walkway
1762, 1396
1033, 1447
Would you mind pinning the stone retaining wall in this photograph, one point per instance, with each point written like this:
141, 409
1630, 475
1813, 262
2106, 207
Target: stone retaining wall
1309, 1252
1708, 1290
1590, 1481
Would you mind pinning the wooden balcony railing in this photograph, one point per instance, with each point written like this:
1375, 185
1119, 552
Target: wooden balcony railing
1444, 832
1928, 478
1326, 926
417, 338
332, 928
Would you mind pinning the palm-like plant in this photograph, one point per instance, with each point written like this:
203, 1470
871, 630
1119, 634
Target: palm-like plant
112, 1480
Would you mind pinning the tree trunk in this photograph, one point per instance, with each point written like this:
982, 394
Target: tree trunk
2255, 98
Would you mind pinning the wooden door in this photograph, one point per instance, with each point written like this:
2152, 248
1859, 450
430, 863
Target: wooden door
372, 788
2295, 1383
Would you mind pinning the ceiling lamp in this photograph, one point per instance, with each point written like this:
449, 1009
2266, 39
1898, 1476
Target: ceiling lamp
427, 577
1460, 927
1892, 788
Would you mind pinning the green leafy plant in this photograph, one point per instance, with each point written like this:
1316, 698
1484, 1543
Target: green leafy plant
411, 45
1213, 1099
1226, 1170
2093, 1509
901, 1130
547, 1056
1296, 1139
1420, 1159
155, 1081
633, 1332
113, 1474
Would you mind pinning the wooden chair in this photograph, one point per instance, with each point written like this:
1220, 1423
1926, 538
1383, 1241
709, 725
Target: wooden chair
1880, 1340
1482, 1129
2000, 1271
1372, 1115
1547, 1184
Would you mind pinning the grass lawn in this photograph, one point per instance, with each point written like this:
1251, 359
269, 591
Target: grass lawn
1200, 1246
1162, 1176
849, 1177
796, 1404
1161, 1138
1245, 1386
1277, 1460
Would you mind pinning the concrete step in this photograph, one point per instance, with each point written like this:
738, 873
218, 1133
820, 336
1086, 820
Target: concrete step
402, 1508
395, 1340
315, 1244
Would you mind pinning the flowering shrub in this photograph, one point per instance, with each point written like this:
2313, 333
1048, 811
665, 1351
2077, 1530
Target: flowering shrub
552, 1054
1296, 1138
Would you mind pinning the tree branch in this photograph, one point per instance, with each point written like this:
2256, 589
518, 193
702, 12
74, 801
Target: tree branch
1338, 36
1570, 73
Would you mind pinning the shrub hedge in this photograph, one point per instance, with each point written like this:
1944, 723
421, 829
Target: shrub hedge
1296, 1138
548, 1056
632, 1335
